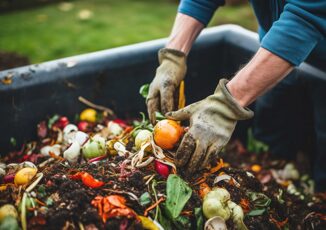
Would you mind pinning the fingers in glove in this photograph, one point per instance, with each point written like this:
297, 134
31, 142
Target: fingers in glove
185, 150
212, 152
167, 99
153, 104
181, 114
197, 157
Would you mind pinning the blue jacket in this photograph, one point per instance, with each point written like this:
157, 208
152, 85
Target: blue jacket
295, 30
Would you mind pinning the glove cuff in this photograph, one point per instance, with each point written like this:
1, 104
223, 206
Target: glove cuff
241, 113
172, 55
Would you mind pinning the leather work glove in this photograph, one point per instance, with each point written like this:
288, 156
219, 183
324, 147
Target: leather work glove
212, 122
168, 77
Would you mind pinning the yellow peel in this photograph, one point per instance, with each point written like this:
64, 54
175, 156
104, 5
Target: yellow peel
24, 176
147, 223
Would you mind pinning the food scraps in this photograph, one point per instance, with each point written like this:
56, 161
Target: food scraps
100, 172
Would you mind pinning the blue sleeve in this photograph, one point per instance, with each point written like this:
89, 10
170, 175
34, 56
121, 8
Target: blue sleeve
202, 10
300, 27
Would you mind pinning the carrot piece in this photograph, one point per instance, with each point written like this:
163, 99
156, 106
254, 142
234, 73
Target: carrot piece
182, 97
39, 202
219, 165
51, 154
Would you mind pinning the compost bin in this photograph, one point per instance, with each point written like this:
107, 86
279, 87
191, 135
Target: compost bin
113, 77
109, 173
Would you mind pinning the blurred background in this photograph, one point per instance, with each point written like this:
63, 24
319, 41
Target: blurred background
34, 31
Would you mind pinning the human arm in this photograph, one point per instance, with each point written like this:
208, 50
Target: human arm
192, 18
212, 120
263, 72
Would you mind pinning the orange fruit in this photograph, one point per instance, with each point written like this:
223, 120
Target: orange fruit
167, 133
88, 115
256, 168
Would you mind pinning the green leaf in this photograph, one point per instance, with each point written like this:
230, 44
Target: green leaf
199, 218
256, 212
255, 145
182, 222
145, 199
143, 118
159, 116
144, 90
52, 120
143, 124
177, 195
13, 141
259, 200
164, 221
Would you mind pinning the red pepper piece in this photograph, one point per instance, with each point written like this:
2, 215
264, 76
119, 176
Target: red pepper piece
90, 181
76, 176
87, 179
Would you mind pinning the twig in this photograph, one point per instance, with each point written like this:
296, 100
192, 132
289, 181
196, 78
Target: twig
98, 107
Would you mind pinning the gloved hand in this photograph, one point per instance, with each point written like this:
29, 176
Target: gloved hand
168, 77
212, 122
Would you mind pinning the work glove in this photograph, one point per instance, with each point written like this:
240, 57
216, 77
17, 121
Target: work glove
162, 90
212, 122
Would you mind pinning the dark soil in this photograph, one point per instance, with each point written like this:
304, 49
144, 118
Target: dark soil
65, 203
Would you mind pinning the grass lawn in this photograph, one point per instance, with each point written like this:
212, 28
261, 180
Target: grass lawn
50, 32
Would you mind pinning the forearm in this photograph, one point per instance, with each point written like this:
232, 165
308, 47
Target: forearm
259, 75
184, 33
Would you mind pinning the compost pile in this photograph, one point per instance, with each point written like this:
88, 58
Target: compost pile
99, 172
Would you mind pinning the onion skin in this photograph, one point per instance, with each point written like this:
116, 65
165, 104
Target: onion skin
143, 136
94, 147
114, 128
72, 153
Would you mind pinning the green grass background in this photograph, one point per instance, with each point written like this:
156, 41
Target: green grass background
47, 33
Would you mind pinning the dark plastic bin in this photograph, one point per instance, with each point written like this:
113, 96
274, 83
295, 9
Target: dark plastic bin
113, 78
